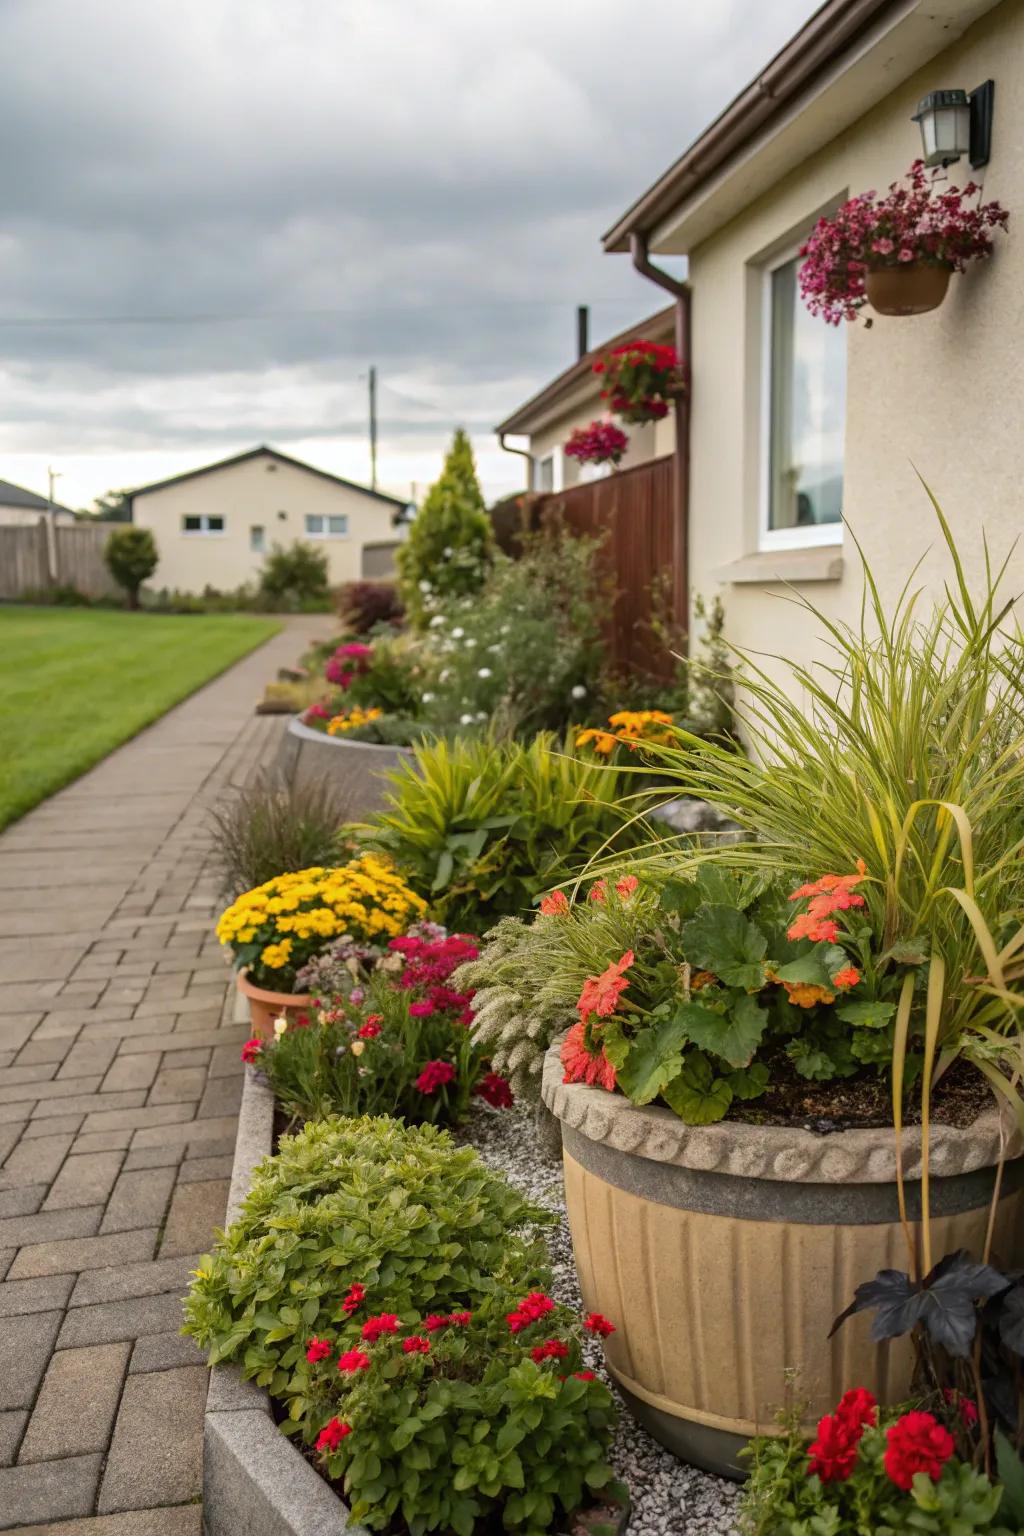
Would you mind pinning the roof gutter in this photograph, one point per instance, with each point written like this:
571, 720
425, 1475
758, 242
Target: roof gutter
829, 31
523, 453
680, 291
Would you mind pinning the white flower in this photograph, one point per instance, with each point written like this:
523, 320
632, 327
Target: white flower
458, 632
470, 643
484, 672
494, 650
425, 586
481, 715
437, 620
465, 719
504, 629
447, 553
578, 692
428, 698
280, 1025
445, 675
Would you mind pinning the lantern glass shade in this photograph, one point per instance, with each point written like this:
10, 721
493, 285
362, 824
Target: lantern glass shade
944, 118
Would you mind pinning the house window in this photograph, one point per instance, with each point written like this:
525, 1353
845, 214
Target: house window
257, 538
319, 526
202, 522
547, 471
804, 404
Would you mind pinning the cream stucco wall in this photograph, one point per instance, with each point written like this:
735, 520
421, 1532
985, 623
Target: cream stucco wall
942, 394
580, 413
256, 492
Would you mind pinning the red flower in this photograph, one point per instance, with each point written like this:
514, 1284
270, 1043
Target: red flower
602, 442
597, 1324
353, 1299
368, 1031
584, 1375
626, 886
583, 1066
857, 1407
375, 1018
530, 1310
833, 1454
601, 994
318, 1349
916, 1443
384, 1322
557, 904
598, 891
332, 1434
434, 1321
416, 1344
460, 1319
353, 1360
434, 1075
847, 977
554, 1349
251, 1049
495, 1091
965, 1406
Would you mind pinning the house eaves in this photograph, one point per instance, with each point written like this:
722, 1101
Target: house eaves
848, 57
395, 502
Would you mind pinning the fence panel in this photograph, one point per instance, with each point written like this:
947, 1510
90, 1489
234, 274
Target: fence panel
24, 563
79, 559
633, 510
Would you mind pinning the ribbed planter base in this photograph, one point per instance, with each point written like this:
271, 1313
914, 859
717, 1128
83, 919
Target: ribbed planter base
355, 768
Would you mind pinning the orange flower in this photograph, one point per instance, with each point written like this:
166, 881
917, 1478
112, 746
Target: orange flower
847, 977
603, 742
598, 891
831, 883
601, 994
626, 886
556, 903
701, 979
803, 994
581, 1066
808, 926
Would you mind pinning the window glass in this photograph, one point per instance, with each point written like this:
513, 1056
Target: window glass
215, 525
314, 524
257, 538
192, 524
338, 526
807, 401
546, 473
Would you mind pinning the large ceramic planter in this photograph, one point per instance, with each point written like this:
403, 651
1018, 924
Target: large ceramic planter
724, 1252
355, 768
909, 290
266, 1006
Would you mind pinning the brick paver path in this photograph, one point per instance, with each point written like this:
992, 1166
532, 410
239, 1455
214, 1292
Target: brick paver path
119, 1087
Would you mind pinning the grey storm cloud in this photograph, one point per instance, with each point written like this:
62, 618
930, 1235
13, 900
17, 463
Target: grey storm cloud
244, 202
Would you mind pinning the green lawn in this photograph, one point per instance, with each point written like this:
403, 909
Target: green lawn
75, 683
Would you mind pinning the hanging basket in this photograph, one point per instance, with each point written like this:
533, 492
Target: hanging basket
909, 290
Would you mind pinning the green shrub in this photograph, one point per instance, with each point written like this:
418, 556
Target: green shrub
448, 545
296, 575
131, 557
481, 828
273, 826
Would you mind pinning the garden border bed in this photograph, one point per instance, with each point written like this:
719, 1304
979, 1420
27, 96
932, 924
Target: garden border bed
356, 767
254, 1479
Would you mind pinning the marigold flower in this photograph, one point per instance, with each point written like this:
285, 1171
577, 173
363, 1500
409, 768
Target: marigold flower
916, 1443
581, 1065
384, 1322
353, 1360
332, 1434
805, 994
597, 1324
318, 1350
555, 905
553, 1349
416, 1344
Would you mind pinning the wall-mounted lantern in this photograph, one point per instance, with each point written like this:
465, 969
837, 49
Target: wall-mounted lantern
956, 123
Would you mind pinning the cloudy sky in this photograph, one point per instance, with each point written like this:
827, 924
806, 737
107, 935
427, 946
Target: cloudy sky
216, 214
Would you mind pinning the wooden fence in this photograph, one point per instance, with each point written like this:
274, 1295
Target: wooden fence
633, 511
29, 564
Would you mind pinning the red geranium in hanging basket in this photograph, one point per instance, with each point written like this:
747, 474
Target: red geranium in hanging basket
602, 442
896, 252
641, 377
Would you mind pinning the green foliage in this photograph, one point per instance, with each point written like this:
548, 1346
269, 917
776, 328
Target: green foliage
448, 1438
275, 826
295, 576
448, 545
481, 828
131, 557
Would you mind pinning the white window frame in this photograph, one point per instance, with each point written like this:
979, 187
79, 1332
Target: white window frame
204, 531
768, 538
261, 547
557, 469
325, 530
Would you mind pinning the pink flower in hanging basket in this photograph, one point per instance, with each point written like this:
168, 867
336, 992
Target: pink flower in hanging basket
600, 443
640, 378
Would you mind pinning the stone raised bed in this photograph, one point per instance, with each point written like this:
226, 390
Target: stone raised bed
254, 1479
355, 767
725, 1251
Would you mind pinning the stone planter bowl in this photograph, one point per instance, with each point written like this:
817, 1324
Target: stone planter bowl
356, 768
723, 1253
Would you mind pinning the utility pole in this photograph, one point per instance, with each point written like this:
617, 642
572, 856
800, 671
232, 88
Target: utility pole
51, 523
373, 428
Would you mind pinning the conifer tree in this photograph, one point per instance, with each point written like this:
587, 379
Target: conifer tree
447, 550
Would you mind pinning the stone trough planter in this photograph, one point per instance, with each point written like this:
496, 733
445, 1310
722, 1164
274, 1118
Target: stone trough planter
724, 1252
355, 767
254, 1479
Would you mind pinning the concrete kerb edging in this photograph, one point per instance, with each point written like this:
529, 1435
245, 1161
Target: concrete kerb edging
254, 1479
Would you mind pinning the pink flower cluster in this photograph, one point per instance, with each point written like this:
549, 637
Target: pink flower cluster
915, 221
600, 443
349, 661
428, 965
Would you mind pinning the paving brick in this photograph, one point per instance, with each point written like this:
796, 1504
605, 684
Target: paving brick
43, 1050
74, 1412
177, 1085
45, 1226
164, 1352
188, 1040
48, 1091
111, 1321
51, 1126
35, 1162
196, 1169
89, 1056
221, 1096
42, 1072
217, 1128
132, 1280
123, 1028
25, 1346
11, 1114
174, 1520
156, 1456
82, 1253
88, 1103
100, 1141
10, 1135
20, 1297
16, 1027
52, 1490
136, 1119
152, 1157
132, 1072
12, 1425
23, 1201
196, 1210
140, 1200
85, 1180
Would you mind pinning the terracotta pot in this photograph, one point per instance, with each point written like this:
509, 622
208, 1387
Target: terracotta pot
722, 1254
265, 1007
909, 290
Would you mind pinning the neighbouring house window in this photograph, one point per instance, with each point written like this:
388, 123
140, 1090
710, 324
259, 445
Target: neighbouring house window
321, 527
804, 390
202, 522
547, 471
257, 538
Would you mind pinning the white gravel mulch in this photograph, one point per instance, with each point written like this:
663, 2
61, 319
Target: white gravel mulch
668, 1498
